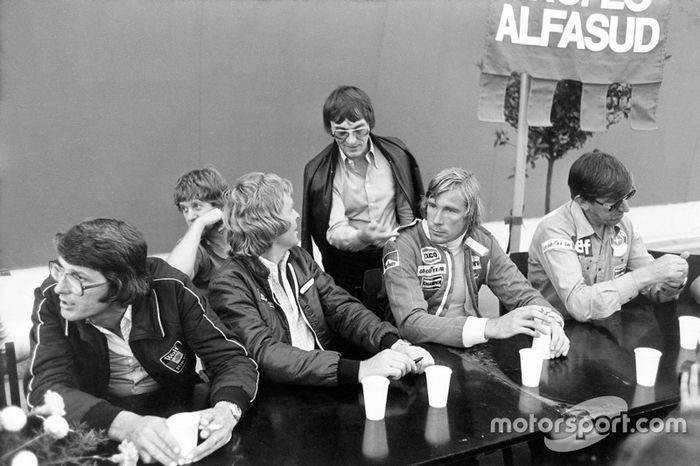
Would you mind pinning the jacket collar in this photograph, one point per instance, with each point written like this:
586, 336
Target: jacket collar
426, 232
147, 318
259, 271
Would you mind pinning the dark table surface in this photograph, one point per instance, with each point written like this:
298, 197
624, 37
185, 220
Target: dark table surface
310, 425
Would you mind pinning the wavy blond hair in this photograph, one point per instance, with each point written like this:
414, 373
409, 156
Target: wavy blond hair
463, 181
253, 212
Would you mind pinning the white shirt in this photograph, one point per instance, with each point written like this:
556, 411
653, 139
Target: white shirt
283, 295
359, 200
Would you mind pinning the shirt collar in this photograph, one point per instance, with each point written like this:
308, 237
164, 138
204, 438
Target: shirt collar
272, 267
369, 156
449, 244
124, 324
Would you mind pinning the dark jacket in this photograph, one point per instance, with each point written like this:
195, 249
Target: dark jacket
318, 193
241, 296
169, 326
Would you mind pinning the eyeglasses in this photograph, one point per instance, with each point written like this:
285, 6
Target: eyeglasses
616, 205
342, 134
73, 282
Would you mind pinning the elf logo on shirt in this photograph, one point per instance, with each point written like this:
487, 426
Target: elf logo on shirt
584, 247
175, 358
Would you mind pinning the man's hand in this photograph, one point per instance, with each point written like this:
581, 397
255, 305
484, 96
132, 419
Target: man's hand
215, 425
669, 268
388, 363
690, 396
374, 234
150, 435
560, 342
415, 352
209, 218
520, 320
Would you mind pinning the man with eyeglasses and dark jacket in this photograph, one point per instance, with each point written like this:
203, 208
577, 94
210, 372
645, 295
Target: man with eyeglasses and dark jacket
357, 190
586, 257
110, 324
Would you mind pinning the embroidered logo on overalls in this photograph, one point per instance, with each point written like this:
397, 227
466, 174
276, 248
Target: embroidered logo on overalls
583, 247
476, 263
619, 243
175, 358
619, 271
430, 255
432, 282
391, 260
438, 269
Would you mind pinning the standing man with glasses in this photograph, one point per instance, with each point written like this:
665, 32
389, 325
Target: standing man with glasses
586, 257
110, 324
357, 191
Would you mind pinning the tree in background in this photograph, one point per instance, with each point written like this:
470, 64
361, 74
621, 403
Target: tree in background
553, 142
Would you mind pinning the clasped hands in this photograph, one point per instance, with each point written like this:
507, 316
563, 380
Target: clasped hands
529, 320
397, 361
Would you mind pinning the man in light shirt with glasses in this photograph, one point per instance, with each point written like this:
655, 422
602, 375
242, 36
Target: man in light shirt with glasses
357, 191
586, 257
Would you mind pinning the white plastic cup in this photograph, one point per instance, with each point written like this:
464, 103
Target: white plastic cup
438, 381
647, 364
374, 390
531, 366
185, 429
689, 327
542, 343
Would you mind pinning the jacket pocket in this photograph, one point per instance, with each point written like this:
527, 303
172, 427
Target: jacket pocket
305, 287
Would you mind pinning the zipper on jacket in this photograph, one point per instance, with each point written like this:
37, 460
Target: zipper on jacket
296, 297
449, 282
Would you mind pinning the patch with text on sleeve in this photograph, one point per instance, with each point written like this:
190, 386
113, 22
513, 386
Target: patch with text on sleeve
557, 243
391, 260
175, 358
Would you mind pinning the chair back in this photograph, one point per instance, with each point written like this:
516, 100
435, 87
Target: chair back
10, 393
520, 261
372, 286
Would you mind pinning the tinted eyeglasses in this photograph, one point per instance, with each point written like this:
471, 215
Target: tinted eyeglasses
616, 205
342, 134
74, 283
